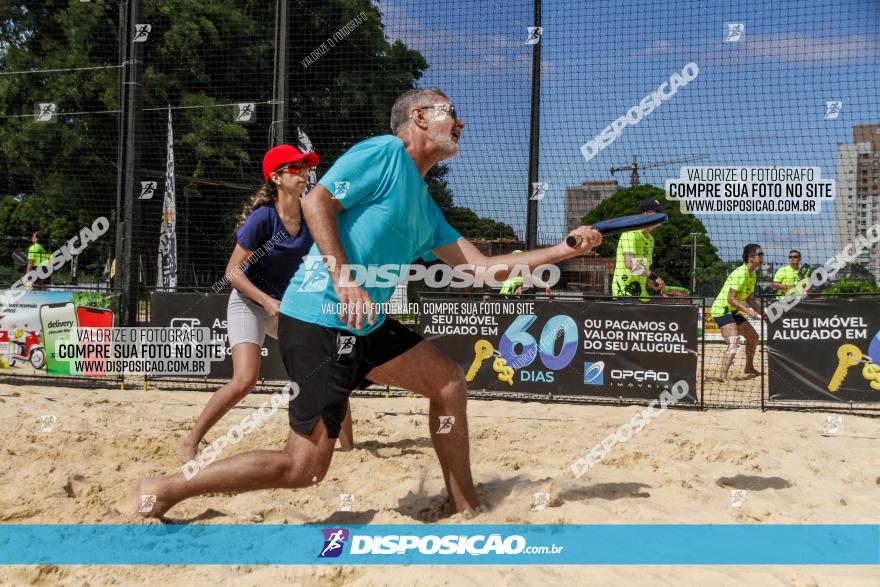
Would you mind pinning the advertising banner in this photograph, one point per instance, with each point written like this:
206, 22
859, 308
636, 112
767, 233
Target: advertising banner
25, 313
826, 349
38, 320
193, 310
606, 349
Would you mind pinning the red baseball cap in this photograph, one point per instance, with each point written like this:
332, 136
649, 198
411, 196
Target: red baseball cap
284, 154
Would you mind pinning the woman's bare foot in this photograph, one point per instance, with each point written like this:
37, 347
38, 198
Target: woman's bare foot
715, 379
144, 499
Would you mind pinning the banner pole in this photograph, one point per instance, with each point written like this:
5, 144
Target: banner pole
763, 351
703, 354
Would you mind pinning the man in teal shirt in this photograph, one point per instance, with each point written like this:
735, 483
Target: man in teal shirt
386, 217
371, 209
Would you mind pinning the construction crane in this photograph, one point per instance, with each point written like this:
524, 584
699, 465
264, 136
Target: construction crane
635, 166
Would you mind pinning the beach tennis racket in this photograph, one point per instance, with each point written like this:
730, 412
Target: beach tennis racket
620, 224
673, 291
19, 257
804, 271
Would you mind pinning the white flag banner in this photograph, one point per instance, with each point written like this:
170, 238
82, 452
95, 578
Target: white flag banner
167, 275
305, 145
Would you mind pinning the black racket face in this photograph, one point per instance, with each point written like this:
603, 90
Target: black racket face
804, 270
19, 257
626, 223
621, 224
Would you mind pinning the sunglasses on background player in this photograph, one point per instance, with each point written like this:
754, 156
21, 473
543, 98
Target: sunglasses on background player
794, 256
447, 108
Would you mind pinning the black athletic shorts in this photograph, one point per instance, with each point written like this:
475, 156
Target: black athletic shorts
729, 318
328, 363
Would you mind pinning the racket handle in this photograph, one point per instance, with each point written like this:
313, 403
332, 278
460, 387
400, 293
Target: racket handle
574, 241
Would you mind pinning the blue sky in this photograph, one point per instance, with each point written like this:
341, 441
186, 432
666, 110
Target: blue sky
760, 101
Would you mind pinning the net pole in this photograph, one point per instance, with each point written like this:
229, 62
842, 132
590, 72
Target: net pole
120, 301
134, 127
279, 106
534, 138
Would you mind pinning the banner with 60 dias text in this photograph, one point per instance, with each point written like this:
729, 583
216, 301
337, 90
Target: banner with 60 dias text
534, 346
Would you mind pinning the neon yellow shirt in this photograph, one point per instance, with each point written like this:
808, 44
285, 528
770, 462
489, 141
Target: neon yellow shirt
787, 277
512, 286
641, 246
742, 282
38, 254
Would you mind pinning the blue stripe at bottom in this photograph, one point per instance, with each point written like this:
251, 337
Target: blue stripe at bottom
441, 544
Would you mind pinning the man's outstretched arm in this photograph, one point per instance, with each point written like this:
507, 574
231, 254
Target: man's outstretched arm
464, 252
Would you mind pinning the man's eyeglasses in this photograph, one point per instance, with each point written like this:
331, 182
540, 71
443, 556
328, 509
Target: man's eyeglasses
445, 108
794, 256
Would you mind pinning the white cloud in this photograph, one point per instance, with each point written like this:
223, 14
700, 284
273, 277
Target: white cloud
451, 52
798, 47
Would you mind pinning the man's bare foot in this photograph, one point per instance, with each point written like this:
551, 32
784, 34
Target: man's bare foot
472, 512
345, 445
751, 373
187, 452
144, 499
715, 379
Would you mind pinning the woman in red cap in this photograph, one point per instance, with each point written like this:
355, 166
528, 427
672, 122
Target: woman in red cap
271, 240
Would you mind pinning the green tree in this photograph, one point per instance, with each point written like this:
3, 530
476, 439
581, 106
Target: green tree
201, 57
856, 272
51, 174
672, 258
845, 286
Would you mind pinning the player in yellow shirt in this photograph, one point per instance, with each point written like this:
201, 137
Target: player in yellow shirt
38, 256
513, 287
792, 277
635, 255
734, 303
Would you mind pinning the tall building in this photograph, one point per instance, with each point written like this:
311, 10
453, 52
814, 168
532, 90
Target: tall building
858, 192
580, 199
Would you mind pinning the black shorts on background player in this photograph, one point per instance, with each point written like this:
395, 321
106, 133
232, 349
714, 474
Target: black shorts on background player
328, 363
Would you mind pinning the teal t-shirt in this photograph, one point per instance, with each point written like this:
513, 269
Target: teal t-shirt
388, 218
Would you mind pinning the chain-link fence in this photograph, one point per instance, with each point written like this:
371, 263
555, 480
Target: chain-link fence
574, 112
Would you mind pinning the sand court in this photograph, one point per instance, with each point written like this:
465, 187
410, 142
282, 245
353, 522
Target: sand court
718, 466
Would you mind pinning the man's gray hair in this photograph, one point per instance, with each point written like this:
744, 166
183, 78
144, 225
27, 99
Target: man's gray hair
407, 101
